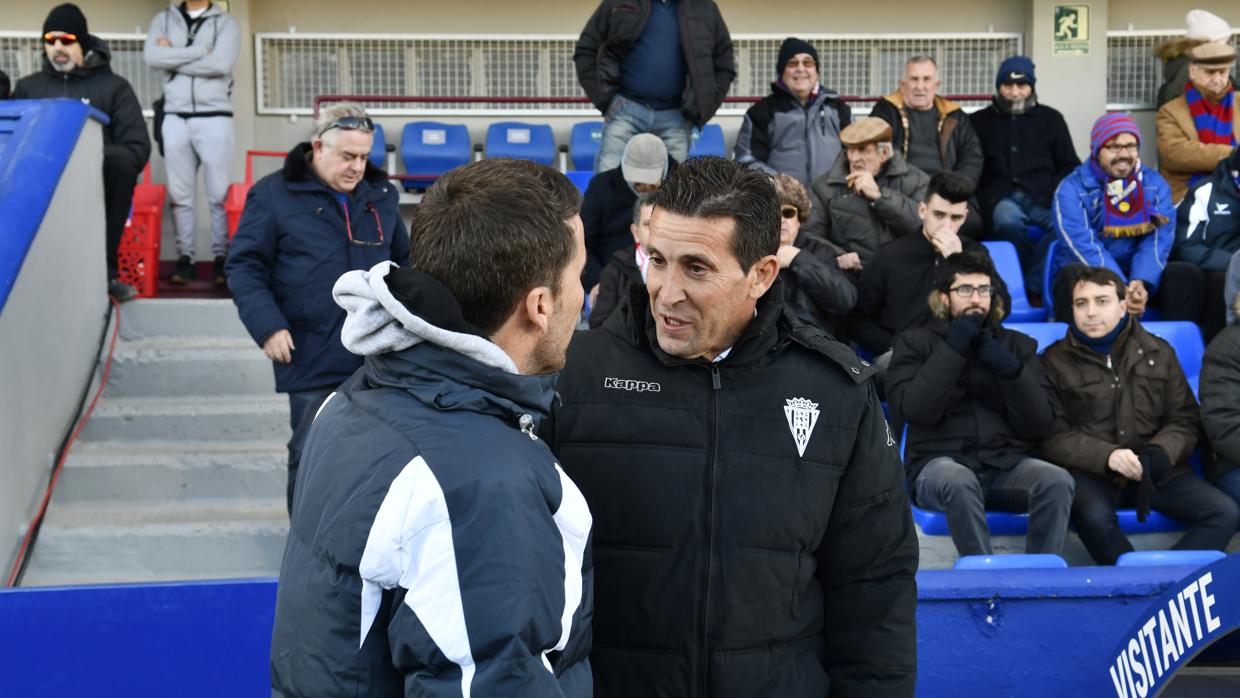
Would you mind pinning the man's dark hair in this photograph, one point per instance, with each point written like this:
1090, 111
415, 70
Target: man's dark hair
711, 187
950, 186
1095, 275
492, 230
970, 261
643, 200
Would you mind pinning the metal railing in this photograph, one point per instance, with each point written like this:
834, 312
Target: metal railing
1133, 72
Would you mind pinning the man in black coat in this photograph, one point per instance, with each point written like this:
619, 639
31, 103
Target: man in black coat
77, 65
1207, 234
977, 403
1027, 149
627, 267
606, 209
654, 66
751, 534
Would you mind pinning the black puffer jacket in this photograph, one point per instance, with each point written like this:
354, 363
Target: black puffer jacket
957, 406
609, 35
619, 276
816, 292
1030, 151
95, 83
606, 214
731, 561
1220, 401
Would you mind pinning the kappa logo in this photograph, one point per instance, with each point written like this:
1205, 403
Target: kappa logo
1222, 209
632, 385
802, 415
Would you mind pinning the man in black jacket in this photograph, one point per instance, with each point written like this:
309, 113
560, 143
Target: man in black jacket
1027, 149
654, 66
77, 65
1207, 234
977, 404
752, 535
606, 210
627, 267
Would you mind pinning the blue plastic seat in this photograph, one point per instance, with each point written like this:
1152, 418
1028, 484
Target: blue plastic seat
707, 141
1007, 263
430, 148
1156, 558
524, 141
1185, 338
378, 149
583, 144
1045, 333
580, 178
1011, 562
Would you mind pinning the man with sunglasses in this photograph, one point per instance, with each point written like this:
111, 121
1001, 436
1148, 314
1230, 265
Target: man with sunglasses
329, 211
77, 65
977, 404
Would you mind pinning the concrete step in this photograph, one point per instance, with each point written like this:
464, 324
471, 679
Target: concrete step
181, 317
214, 418
171, 367
173, 471
129, 542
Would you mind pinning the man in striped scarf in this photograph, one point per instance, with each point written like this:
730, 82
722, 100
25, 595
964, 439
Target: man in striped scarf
1197, 130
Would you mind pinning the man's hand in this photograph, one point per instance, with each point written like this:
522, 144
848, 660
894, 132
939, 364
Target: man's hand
946, 244
1138, 297
786, 254
279, 347
849, 261
594, 295
962, 331
863, 183
1125, 462
161, 41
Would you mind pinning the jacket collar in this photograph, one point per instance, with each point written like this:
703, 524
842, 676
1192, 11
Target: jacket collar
299, 175
941, 105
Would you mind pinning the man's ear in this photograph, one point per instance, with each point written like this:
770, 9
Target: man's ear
921, 210
537, 307
762, 274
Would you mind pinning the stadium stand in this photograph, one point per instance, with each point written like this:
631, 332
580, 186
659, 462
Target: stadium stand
580, 178
1010, 562
708, 141
1008, 265
431, 148
525, 141
1156, 558
583, 144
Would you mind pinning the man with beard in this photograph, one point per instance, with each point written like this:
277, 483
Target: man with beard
77, 65
1197, 129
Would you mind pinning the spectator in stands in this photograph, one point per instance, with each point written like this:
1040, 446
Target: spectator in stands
77, 65
868, 198
1126, 423
796, 128
1028, 150
607, 207
977, 404
1196, 130
1232, 287
1208, 235
931, 132
436, 548
627, 267
1220, 407
194, 47
1112, 212
634, 64
891, 296
816, 292
326, 212
6, 87
704, 397
1202, 26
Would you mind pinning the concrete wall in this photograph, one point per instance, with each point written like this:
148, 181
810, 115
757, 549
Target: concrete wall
48, 333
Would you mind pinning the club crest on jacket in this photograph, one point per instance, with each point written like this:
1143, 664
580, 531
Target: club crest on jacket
802, 415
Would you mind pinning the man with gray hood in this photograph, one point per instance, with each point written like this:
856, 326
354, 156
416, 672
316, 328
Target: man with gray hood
436, 546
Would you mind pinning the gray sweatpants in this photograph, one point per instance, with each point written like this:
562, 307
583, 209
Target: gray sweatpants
205, 140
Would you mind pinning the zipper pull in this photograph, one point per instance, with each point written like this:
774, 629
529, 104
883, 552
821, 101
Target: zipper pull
526, 422
714, 377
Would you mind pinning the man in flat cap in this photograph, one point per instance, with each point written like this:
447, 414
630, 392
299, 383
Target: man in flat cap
868, 198
1197, 129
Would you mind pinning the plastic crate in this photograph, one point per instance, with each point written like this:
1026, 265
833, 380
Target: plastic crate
234, 198
139, 267
138, 254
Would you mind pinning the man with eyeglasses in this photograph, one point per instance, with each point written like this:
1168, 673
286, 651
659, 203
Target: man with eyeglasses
795, 129
1113, 212
977, 404
327, 212
77, 65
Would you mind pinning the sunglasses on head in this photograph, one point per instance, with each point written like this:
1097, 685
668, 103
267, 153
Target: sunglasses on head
789, 211
64, 39
350, 123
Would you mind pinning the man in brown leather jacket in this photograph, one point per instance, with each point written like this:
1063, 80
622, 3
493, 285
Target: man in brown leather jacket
1126, 423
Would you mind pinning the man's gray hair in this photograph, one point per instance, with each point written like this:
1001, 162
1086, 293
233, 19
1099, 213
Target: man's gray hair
335, 112
921, 58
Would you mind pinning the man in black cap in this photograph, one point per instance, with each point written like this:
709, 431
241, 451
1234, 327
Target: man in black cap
795, 129
77, 65
1027, 149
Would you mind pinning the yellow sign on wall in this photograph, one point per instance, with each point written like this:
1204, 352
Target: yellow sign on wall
1071, 33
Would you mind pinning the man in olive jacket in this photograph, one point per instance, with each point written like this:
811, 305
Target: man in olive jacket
1126, 423
752, 536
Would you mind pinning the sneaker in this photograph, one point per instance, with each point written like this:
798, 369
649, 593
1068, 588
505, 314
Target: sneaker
220, 279
121, 291
184, 270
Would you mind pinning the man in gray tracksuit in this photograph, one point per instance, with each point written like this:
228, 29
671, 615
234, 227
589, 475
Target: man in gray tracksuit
195, 43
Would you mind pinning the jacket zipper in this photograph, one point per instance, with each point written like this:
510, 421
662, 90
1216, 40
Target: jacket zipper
716, 385
809, 161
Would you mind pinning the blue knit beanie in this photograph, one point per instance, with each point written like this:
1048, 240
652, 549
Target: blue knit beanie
1016, 69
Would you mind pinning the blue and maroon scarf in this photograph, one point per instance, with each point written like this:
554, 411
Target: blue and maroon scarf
1213, 121
1125, 214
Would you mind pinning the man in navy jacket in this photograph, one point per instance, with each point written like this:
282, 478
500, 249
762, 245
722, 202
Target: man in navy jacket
327, 212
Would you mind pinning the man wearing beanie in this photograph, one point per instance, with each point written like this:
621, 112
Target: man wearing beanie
1112, 212
1201, 27
1028, 150
77, 65
654, 66
1197, 129
794, 130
